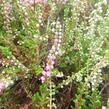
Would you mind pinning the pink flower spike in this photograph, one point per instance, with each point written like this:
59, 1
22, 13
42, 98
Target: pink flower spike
48, 67
42, 79
46, 73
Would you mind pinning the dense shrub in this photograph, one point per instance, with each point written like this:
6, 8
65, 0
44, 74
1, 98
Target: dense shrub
54, 54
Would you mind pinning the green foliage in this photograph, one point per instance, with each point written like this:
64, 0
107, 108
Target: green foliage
40, 98
6, 51
108, 103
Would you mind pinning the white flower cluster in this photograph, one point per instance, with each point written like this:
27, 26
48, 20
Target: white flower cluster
5, 83
82, 6
95, 77
95, 47
7, 15
13, 61
17, 63
40, 38
58, 32
62, 1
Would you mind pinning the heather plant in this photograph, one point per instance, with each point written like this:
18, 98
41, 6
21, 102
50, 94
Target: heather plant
53, 54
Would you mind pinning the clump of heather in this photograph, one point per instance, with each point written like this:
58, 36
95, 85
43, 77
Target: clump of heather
54, 54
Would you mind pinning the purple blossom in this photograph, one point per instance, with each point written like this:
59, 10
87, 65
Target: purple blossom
48, 67
42, 79
46, 73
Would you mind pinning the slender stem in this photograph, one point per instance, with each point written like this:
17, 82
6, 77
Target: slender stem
104, 88
78, 103
50, 94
